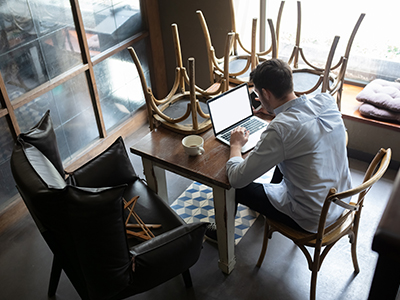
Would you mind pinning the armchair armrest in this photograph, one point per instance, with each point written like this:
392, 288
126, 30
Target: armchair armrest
166, 255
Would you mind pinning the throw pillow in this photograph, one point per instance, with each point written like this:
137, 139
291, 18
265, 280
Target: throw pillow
43, 137
110, 168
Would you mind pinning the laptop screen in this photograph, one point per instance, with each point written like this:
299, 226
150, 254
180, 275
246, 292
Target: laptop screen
230, 108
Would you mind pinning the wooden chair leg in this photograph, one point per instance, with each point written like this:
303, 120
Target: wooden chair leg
187, 278
314, 271
313, 287
54, 277
354, 254
264, 246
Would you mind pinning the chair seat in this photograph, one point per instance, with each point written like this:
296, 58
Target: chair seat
306, 79
178, 108
238, 64
308, 238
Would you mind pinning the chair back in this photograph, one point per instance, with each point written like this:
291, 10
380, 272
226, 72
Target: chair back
375, 171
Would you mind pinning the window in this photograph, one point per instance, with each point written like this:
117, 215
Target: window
90, 86
375, 52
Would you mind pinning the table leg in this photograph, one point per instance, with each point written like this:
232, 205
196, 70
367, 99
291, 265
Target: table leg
155, 178
224, 205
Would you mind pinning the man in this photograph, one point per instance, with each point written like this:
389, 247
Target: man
306, 141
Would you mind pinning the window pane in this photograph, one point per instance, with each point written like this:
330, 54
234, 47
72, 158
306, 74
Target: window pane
72, 114
60, 51
17, 24
37, 43
109, 22
23, 69
120, 90
7, 184
375, 51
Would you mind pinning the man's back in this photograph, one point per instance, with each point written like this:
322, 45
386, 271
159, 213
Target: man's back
315, 158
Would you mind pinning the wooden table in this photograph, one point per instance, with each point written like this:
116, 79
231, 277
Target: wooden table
162, 150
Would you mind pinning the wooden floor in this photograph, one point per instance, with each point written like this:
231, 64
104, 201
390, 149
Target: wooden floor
25, 260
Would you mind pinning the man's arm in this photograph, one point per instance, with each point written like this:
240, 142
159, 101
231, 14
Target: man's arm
267, 154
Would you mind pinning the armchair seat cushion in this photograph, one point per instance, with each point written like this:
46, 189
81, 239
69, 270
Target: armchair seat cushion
148, 201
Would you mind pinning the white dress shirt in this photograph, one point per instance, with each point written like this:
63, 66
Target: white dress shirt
307, 140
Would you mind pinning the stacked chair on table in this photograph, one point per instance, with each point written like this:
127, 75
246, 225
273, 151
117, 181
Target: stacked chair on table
235, 67
82, 219
309, 78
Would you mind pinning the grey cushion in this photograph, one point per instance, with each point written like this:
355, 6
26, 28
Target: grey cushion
382, 94
370, 111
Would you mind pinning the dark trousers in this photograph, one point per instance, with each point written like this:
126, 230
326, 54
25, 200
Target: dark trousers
254, 197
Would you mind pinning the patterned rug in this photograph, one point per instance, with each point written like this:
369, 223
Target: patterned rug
196, 204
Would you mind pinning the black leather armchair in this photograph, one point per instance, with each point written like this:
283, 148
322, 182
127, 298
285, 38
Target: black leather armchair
82, 219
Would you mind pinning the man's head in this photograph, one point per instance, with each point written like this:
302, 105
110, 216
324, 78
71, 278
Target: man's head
274, 75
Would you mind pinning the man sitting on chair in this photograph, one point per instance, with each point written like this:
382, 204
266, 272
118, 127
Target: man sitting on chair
306, 141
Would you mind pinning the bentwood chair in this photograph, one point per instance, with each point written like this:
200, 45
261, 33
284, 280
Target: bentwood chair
184, 109
240, 64
347, 224
306, 79
314, 79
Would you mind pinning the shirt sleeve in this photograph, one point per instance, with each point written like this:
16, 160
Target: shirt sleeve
267, 154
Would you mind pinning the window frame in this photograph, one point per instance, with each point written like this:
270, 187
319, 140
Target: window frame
149, 11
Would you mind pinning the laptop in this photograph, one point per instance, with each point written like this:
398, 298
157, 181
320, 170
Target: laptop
231, 109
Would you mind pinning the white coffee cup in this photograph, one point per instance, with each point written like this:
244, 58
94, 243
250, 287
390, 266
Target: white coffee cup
193, 145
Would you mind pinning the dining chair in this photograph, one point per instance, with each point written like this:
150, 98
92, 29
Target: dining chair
346, 225
306, 78
240, 64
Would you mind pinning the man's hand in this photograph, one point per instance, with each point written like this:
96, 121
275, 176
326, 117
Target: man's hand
239, 137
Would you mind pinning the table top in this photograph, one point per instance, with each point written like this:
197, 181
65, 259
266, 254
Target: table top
164, 148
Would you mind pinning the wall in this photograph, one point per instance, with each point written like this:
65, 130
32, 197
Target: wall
366, 139
183, 13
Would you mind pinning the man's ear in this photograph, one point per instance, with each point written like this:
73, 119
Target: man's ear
266, 94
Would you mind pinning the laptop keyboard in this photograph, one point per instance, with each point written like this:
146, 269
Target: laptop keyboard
252, 125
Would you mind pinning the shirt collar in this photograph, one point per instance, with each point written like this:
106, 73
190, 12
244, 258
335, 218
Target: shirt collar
289, 104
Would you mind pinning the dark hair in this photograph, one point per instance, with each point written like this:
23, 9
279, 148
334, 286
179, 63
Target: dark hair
274, 75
